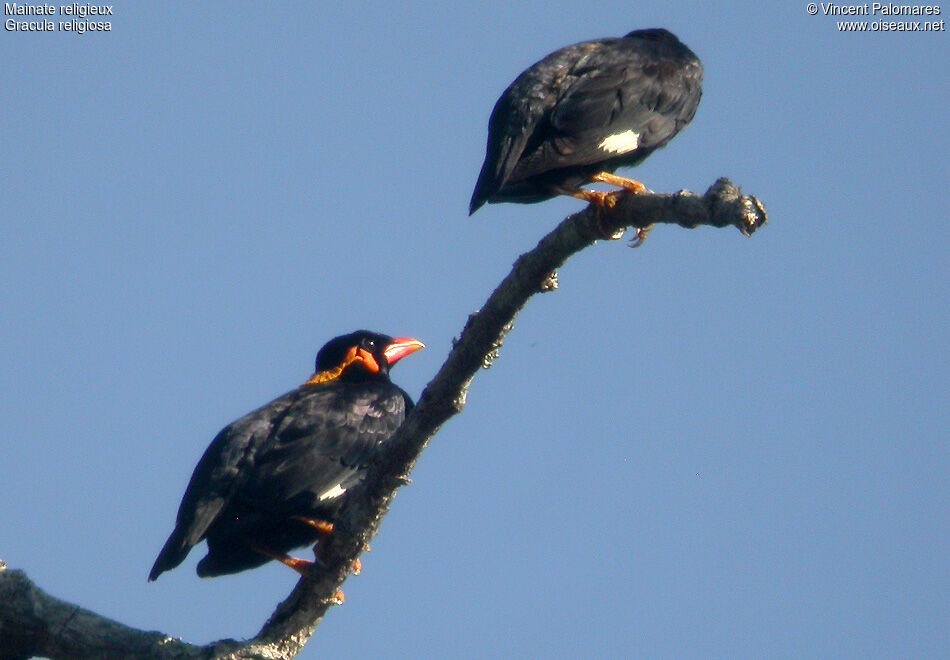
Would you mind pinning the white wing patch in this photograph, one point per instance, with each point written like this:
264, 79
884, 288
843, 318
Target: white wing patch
331, 493
620, 143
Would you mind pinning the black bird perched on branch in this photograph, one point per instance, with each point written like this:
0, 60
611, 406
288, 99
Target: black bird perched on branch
274, 479
583, 111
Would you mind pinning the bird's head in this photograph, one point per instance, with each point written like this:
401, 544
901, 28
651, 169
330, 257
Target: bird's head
654, 34
361, 355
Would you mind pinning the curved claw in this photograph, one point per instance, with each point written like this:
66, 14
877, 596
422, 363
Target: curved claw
642, 233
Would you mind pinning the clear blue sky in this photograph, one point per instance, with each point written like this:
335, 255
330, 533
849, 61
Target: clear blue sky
708, 447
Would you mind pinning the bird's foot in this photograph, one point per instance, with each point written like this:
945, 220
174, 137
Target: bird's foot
608, 200
642, 233
602, 201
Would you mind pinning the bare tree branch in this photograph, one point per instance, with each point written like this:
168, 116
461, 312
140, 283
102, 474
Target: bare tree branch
34, 623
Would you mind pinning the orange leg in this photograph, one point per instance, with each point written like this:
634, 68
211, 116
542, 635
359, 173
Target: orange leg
325, 528
302, 566
631, 186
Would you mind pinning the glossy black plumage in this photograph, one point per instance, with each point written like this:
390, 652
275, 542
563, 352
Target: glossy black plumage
574, 114
301, 455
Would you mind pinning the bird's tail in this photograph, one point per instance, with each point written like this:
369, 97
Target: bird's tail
173, 553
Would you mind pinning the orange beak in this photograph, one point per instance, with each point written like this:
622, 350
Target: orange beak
400, 348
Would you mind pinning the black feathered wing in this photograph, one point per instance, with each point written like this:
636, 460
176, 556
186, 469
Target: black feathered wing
613, 95
322, 448
521, 114
513, 120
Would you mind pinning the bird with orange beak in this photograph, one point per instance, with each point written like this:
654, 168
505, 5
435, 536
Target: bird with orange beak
275, 479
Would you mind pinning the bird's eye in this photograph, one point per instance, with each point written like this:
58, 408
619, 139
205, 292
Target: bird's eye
369, 344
